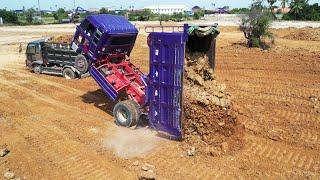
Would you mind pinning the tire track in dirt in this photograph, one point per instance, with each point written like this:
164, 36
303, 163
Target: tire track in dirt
283, 154
68, 155
47, 99
23, 74
187, 167
296, 134
73, 158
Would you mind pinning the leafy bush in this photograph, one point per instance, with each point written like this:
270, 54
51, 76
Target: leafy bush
301, 10
29, 15
256, 24
240, 11
198, 15
9, 16
60, 14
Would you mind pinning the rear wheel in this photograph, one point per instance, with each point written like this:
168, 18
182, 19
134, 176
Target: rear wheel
37, 69
68, 73
126, 113
81, 63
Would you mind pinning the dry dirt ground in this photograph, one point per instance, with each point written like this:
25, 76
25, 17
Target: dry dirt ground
61, 129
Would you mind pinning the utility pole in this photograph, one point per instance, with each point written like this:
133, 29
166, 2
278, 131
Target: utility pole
39, 8
160, 16
74, 5
39, 5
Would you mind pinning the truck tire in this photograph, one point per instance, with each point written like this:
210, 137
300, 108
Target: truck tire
81, 64
37, 69
68, 73
126, 113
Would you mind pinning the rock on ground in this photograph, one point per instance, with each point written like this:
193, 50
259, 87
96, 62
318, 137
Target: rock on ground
9, 175
4, 152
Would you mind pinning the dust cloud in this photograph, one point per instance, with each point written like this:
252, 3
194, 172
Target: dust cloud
128, 143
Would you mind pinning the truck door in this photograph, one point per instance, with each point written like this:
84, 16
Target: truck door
95, 40
34, 52
167, 52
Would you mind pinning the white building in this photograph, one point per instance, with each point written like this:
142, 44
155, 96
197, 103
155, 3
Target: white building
167, 9
1, 21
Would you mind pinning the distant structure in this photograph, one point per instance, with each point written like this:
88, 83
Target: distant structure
224, 10
93, 10
196, 9
1, 21
167, 9
281, 10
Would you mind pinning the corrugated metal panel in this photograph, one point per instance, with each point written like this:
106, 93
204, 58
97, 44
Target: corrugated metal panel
167, 52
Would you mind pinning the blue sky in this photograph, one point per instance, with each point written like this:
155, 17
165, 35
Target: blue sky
46, 4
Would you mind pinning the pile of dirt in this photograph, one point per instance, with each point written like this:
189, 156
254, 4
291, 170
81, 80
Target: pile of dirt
62, 39
309, 34
209, 123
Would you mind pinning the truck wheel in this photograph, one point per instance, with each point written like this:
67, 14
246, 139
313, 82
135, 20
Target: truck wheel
81, 63
126, 113
68, 73
37, 69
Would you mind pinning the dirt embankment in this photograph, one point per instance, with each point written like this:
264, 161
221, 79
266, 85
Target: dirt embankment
305, 34
209, 123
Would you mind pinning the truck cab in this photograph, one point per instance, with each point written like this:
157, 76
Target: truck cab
34, 52
101, 35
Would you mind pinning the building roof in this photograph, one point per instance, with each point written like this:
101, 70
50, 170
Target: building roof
167, 7
112, 24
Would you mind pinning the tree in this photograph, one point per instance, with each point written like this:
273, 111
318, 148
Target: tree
297, 7
9, 16
29, 15
103, 11
197, 15
60, 14
256, 24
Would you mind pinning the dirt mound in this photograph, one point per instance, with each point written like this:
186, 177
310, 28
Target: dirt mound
209, 120
62, 39
305, 34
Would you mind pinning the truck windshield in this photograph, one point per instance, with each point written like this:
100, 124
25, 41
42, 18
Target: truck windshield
31, 49
122, 40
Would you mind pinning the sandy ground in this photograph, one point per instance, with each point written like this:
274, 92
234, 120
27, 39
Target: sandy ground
60, 129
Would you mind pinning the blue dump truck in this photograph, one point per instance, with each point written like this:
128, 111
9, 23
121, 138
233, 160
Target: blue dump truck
102, 45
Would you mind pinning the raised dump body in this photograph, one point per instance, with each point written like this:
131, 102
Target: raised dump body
105, 43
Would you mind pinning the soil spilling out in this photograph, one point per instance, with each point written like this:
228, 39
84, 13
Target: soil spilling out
62, 39
210, 124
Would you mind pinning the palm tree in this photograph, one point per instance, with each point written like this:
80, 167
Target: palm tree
297, 7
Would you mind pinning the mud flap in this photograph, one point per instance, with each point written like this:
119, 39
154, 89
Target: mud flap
167, 52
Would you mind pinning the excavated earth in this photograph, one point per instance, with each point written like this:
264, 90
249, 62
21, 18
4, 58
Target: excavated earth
61, 129
210, 123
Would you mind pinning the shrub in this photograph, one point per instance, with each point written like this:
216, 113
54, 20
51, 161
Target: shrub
9, 16
256, 24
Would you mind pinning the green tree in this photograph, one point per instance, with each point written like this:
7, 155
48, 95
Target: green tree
297, 7
256, 24
9, 16
198, 15
29, 15
103, 11
60, 14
